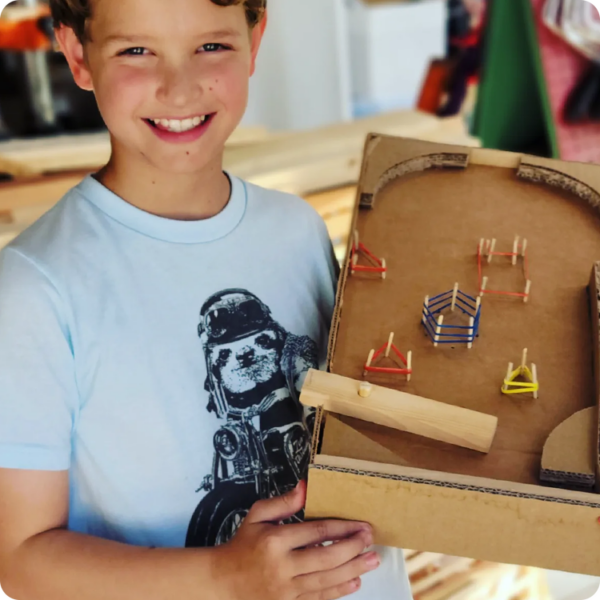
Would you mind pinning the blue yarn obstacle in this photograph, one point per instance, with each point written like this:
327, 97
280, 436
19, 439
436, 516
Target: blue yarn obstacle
451, 334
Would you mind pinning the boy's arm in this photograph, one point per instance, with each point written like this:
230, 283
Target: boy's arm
41, 560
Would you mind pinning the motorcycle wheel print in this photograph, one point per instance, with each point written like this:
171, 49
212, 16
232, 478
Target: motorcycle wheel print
220, 514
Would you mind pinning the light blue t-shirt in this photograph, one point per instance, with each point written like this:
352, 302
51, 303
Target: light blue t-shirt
160, 362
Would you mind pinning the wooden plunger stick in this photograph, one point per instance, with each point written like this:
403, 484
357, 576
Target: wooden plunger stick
399, 410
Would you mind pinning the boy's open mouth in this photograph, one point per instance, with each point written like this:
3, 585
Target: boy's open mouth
179, 125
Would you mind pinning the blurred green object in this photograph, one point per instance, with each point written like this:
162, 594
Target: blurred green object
513, 109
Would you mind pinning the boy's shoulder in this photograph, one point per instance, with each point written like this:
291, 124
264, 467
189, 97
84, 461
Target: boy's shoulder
281, 201
58, 227
287, 210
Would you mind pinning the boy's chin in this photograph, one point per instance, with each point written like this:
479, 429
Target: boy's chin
183, 162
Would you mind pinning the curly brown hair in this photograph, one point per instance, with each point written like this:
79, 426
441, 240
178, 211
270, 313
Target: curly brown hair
76, 13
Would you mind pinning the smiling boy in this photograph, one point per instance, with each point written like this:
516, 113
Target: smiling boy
155, 327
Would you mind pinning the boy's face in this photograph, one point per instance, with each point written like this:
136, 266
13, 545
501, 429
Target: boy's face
170, 77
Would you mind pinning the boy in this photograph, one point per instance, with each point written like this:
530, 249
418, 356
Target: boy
154, 330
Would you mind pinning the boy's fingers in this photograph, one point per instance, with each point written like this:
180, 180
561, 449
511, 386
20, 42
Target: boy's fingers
328, 558
315, 583
312, 533
339, 591
277, 509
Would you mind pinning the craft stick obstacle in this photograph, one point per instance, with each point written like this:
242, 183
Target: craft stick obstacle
511, 386
378, 265
433, 319
384, 351
486, 251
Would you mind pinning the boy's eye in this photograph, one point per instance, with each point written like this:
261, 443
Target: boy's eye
212, 47
133, 52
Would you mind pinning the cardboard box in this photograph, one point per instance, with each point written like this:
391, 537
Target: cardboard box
424, 208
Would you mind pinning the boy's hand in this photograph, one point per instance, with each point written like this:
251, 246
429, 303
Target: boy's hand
266, 561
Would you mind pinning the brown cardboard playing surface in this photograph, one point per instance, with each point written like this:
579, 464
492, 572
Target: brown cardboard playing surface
428, 225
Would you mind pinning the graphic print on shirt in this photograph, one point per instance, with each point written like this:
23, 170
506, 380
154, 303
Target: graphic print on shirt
254, 374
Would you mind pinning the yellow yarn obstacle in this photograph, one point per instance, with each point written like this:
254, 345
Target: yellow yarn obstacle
531, 385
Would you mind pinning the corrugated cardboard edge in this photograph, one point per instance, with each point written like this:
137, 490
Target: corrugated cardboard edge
479, 521
466, 483
594, 291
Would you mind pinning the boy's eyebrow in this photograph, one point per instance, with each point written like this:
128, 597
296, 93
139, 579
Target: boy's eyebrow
221, 33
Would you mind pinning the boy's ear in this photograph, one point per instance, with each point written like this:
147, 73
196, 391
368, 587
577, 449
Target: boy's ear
73, 50
257, 35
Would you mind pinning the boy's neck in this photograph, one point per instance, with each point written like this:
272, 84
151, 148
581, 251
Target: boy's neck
187, 197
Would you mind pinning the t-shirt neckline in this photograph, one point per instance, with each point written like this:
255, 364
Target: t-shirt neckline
171, 230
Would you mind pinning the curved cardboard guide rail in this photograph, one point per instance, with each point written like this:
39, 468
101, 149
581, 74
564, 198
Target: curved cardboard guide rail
568, 458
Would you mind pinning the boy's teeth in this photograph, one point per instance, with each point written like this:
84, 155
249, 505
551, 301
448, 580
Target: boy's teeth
178, 126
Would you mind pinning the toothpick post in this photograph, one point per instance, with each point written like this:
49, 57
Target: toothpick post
491, 251
409, 365
535, 379
438, 330
383, 266
515, 251
389, 345
524, 359
508, 374
356, 239
369, 361
471, 332
425, 309
524, 247
454, 295
483, 286
527, 290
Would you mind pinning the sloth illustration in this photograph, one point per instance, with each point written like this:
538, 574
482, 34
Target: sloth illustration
255, 369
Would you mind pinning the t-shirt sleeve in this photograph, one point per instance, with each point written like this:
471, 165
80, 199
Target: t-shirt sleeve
38, 393
328, 276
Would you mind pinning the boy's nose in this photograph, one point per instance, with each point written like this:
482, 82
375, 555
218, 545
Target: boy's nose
178, 87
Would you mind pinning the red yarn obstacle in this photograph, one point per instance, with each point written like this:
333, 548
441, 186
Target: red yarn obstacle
519, 250
379, 264
384, 352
